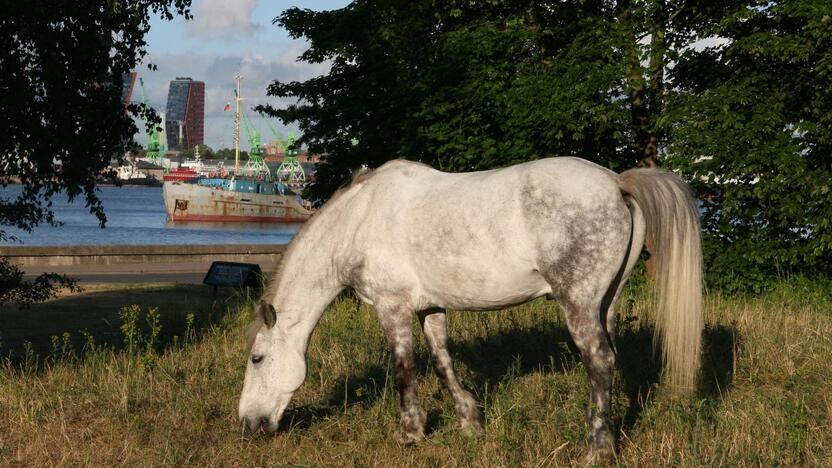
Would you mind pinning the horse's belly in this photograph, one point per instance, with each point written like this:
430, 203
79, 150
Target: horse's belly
475, 290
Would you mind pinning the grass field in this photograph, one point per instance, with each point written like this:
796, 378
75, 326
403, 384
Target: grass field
169, 396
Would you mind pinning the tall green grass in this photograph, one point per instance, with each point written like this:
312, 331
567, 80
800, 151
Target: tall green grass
764, 395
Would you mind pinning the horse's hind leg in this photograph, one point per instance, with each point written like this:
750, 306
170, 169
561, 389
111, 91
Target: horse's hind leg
434, 325
396, 323
589, 336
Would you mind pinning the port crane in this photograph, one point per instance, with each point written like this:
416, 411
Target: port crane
155, 151
256, 165
290, 171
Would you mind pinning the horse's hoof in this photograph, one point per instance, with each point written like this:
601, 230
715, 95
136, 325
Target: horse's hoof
409, 439
472, 426
604, 456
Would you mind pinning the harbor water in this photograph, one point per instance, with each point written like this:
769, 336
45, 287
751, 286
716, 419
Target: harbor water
136, 216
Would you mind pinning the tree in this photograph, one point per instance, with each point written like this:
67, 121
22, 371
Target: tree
61, 80
228, 154
469, 85
185, 154
752, 127
475, 85
206, 152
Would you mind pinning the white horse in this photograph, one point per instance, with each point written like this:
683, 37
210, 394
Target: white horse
413, 240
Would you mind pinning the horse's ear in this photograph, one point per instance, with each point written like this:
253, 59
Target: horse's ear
266, 313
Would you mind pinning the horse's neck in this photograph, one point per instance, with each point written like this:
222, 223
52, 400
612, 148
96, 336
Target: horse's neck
307, 284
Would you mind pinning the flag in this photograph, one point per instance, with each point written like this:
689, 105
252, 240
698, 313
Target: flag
227, 106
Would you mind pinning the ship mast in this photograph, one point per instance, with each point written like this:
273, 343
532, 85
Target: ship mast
238, 98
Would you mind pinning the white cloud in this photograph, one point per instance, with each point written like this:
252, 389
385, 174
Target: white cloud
223, 19
217, 72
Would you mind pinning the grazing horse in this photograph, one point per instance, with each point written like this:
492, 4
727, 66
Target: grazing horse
413, 240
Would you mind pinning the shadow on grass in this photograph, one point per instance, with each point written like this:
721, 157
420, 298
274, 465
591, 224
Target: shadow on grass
363, 389
514, 353
510, 354
640, 368
26, 335
719, 345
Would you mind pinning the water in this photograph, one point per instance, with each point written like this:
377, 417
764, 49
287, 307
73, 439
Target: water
136, 216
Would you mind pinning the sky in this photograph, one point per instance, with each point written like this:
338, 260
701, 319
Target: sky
224, 37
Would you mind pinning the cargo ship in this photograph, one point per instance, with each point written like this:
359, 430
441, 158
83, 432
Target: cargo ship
233, 199
247, 194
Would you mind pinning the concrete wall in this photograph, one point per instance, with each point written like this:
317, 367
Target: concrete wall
121, 254
136, 262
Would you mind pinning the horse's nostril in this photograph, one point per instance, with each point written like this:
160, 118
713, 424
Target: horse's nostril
252, 425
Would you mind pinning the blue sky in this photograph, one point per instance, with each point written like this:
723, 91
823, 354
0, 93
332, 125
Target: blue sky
224, 37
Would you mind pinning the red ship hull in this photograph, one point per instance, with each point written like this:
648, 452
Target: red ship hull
238, 219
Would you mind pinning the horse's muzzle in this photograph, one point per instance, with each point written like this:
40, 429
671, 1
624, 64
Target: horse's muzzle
252, 425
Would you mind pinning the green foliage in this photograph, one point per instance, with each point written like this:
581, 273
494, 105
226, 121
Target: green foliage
206, 152
186, 154
14, 288
63, 70
752, 128
138, 338
130, 327
475, 85
228, 154
139, 342
461, 86
62, 347
189, 334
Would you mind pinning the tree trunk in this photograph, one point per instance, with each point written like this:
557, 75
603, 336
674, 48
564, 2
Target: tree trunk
655, 89
645, 141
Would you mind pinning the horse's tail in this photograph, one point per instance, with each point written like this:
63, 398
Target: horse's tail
673, 238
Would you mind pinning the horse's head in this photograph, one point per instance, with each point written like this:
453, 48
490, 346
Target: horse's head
273, 373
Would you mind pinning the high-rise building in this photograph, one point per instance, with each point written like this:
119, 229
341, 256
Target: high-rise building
129, 80
185, 116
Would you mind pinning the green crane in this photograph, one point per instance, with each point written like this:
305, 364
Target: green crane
255, 165
155, 150
290, 171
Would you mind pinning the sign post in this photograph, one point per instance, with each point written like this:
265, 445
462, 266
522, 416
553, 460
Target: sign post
233, 274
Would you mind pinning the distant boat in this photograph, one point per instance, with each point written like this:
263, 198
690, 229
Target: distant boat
248, 194
130, 173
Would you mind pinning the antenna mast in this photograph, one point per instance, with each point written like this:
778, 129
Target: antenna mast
238, 98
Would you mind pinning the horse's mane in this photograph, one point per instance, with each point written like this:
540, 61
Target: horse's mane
360, 175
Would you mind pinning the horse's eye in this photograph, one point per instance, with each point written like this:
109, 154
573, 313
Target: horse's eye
256, 359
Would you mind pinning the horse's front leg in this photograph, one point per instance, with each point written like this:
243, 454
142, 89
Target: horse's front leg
434, 325
396, 323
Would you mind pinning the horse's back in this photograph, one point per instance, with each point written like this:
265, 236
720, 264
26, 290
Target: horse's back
482, 239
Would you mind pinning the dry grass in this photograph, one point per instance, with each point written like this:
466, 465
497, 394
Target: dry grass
764, 396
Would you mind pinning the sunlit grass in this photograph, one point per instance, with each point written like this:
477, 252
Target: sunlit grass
764, 398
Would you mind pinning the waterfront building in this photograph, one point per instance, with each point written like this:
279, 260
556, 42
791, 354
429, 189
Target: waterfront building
185, 115
274, 154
